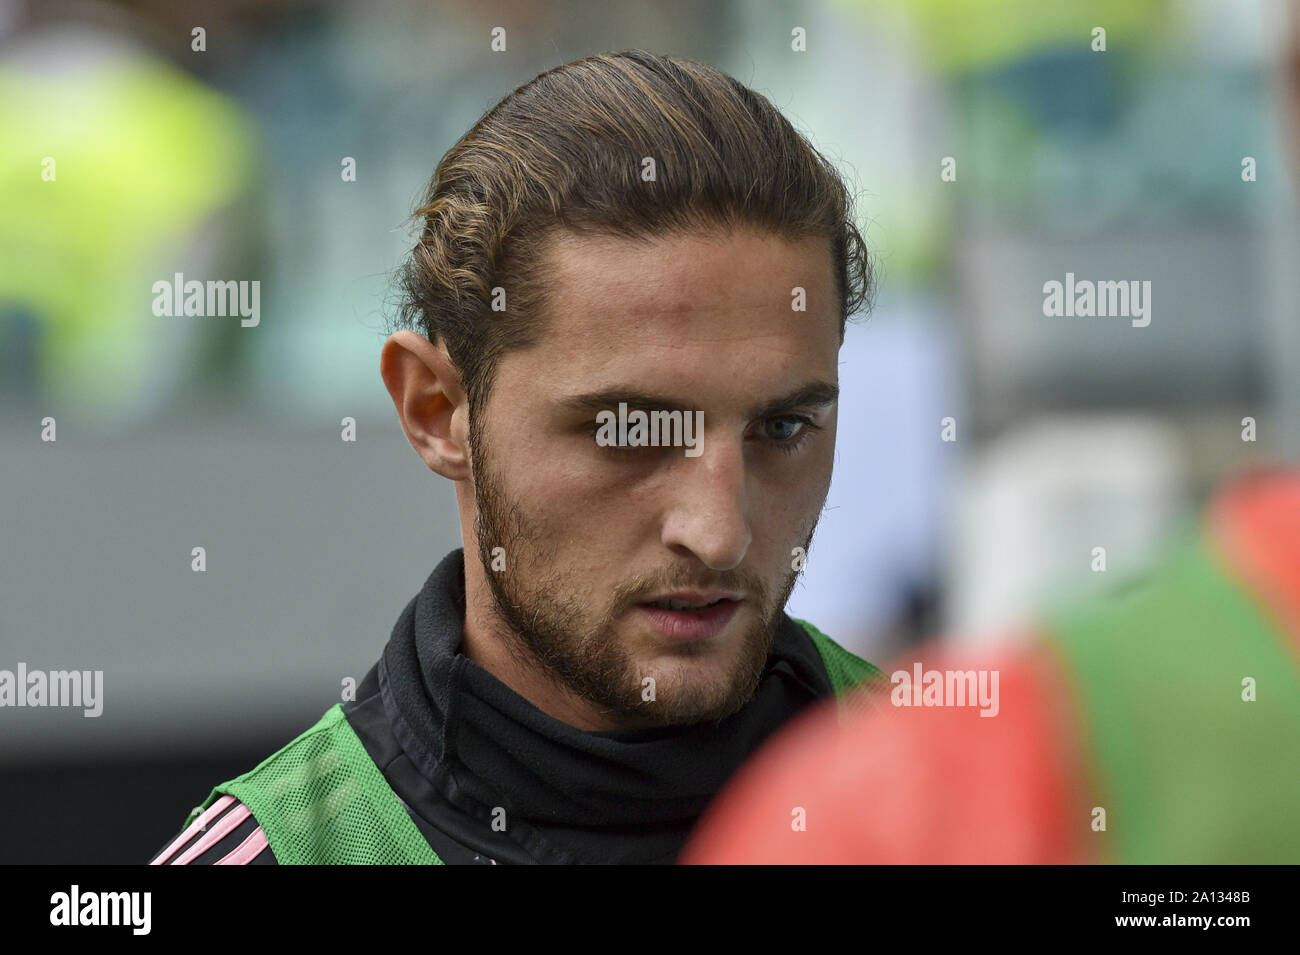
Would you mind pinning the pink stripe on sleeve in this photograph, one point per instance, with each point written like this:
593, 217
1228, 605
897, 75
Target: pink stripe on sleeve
214, 835
200, 823
248, 849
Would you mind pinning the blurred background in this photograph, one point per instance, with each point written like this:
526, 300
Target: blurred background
287, 142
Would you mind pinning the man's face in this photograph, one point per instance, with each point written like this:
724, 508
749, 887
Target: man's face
589, 533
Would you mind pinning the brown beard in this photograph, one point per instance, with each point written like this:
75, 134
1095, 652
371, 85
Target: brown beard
545, 625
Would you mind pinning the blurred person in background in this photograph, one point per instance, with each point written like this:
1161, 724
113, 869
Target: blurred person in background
1158, 724
113, 158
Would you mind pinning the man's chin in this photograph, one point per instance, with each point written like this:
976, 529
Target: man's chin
704, 693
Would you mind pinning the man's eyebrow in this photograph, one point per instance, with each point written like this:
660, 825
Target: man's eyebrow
815, 394
812, 395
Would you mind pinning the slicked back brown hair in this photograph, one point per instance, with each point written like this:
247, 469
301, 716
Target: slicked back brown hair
566, 150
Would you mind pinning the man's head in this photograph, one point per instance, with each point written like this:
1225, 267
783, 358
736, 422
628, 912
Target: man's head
639, 231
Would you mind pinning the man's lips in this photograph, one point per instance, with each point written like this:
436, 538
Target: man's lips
696, 598
691, 624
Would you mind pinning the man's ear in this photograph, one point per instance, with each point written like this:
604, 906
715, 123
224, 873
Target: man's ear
430, 402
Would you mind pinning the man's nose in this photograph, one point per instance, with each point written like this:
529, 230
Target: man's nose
707, 517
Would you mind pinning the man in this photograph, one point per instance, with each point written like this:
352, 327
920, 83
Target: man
625, 311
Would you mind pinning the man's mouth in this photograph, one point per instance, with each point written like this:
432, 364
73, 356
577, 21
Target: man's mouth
683, 604
690, 617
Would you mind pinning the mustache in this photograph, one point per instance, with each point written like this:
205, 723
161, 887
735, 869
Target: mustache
647, 588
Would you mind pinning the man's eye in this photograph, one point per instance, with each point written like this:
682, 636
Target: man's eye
785, 428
